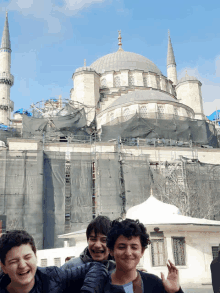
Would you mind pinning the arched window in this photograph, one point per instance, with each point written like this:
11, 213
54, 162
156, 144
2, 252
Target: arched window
126, 113
117, 81
112, 117
175, 111
131, 80
104, 82
160, 111
143, 111
145, 81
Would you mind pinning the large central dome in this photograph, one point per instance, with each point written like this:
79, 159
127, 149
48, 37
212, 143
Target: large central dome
124, 60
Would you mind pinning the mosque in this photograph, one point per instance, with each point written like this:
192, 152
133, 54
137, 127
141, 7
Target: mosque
125, 129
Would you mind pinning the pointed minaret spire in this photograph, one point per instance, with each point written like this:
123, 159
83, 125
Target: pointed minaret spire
6, 78
6, 44
170, 53
119, 41
171, 64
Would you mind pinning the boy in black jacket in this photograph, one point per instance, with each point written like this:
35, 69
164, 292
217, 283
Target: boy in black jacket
21, 274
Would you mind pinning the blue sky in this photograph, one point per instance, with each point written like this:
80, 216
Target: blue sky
51, 38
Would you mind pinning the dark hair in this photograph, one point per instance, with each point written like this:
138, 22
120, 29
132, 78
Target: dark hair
100, 224
127, 228
14, 238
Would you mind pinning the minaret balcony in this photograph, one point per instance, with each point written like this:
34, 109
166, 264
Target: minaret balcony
6, 78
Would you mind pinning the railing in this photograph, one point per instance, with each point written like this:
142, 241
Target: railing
6, 78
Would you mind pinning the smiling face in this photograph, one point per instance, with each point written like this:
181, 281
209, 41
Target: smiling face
97, 246
21, 265
127, 253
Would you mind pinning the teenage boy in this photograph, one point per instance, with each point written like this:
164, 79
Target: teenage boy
96, 250
21, 274
127, 241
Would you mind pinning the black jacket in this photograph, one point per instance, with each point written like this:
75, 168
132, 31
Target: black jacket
215, 270
150, 284
85, 257
90, 278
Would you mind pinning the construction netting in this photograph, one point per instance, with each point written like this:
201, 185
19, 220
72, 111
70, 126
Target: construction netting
72, 123
9, 132
109, 196
52, 193
200, 132
21, 192
81, 203
54, 198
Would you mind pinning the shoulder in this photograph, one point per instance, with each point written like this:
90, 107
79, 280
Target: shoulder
215, 261
73, 262
151, 282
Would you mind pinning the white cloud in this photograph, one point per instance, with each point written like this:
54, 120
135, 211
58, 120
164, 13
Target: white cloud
49, 10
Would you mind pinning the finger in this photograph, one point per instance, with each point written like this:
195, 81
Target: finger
162, 277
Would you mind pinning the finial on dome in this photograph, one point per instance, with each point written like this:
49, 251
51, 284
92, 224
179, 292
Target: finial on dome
168, 33
84, 62
186, 73
119, 41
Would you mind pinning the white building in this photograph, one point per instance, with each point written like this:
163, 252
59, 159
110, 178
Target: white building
190, 243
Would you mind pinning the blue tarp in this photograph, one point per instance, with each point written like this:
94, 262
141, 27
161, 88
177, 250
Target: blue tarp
214, 116
22, 111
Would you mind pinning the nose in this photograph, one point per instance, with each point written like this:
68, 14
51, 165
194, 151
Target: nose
22, 263
98, 243
128, 251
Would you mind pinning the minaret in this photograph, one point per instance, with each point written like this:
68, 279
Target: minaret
171, 64
6, 79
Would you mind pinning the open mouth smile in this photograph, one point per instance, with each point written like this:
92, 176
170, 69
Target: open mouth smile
24, 274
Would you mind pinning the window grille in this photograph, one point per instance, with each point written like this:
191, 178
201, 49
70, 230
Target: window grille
158, 252
43, 262
57, 261
130, 80
117, 81
179, 251
214, 252
145, 81
126, 114
160, 111
175, 110
104, 82
143, 111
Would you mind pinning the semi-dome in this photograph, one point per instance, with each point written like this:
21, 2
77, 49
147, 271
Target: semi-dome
142, 96
124, 60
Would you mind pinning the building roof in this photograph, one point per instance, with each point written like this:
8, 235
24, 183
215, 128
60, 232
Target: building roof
187, 78
142, 95
170, 53
6, 44
124, 60
153, 211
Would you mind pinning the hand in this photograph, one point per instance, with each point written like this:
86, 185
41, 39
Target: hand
171, 284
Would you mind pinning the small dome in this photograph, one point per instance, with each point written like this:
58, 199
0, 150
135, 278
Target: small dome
152, 209
187, 78
124, 60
